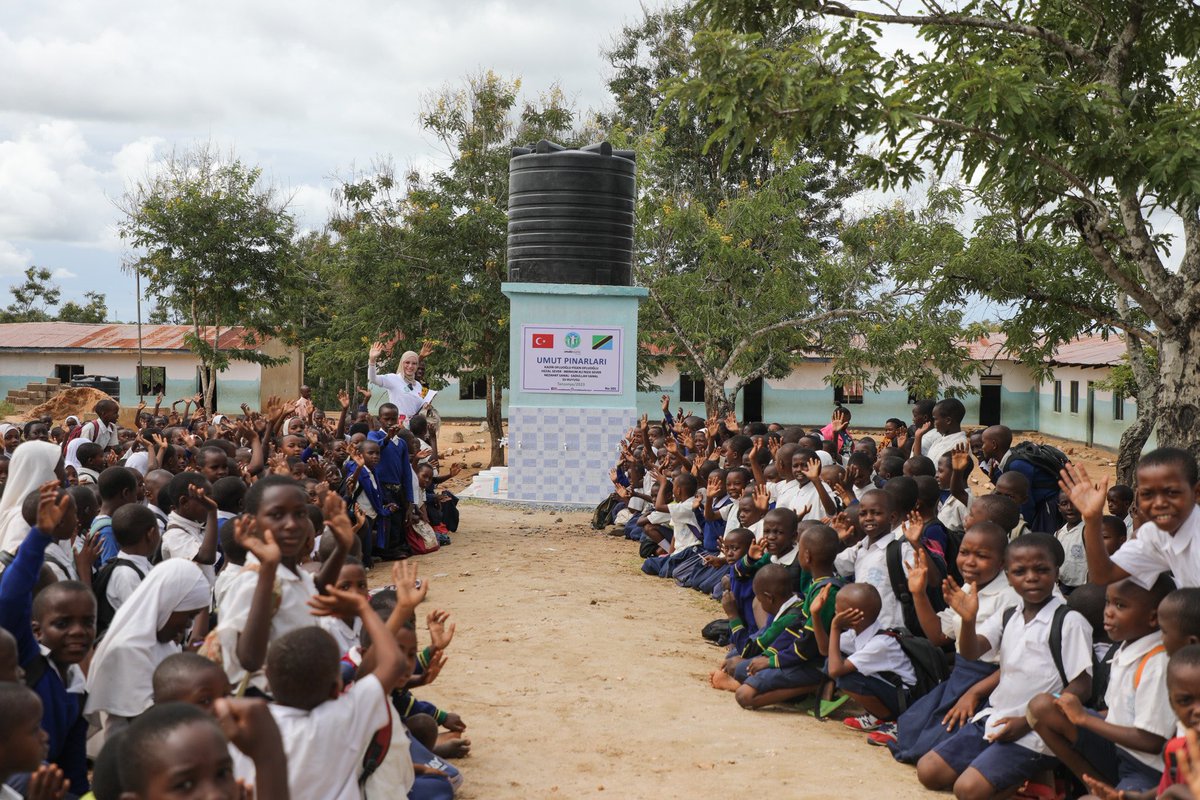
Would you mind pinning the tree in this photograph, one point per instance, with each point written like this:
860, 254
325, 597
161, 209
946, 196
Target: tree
422, 258
216, 248
34, 299
94, 311
741, 249
1079, 122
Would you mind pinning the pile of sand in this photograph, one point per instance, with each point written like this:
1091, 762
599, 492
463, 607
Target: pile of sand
69, 402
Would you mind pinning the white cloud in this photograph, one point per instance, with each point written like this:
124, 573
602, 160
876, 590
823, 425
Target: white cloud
63, 274
13, 261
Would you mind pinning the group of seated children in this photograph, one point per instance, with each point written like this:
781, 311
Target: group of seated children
1002, 646
201, 615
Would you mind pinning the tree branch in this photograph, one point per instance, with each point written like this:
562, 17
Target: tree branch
964, 21
1094, 240
794, 322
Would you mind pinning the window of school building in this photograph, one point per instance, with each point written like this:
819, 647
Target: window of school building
473, 390
1118, 405
850, 392
1058, 397
1074, 397
151, 380
690, 389
64, 372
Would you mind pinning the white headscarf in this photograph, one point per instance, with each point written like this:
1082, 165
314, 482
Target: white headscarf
32, 465
72, 457
72, 417
120, 680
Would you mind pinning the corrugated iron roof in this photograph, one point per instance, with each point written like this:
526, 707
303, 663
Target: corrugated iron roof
1086, 351
85, 336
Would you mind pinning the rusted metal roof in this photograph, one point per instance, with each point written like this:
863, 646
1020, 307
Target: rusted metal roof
84, 336
1086, 351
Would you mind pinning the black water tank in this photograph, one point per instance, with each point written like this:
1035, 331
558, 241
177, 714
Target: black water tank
571, 215
104, 383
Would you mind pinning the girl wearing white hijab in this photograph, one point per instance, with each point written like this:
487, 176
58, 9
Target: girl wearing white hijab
142, 634
10, 437
33, 464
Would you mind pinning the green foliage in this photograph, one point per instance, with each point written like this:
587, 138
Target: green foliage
1075, 125
740, 242
33, 299
94, 311
216, 250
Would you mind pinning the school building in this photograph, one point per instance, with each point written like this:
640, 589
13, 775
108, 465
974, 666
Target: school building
1067, 404
31, 352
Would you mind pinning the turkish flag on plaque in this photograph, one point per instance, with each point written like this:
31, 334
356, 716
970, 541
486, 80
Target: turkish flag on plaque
543, 340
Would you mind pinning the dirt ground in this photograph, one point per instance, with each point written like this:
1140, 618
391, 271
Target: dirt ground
578, 676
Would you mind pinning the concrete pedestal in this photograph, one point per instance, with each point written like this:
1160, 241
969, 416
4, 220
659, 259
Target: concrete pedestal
572, 388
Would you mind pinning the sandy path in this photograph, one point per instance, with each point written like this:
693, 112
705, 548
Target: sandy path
580, 677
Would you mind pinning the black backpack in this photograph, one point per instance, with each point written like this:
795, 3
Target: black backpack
1047, 460
899, 583
104, 610
928, 661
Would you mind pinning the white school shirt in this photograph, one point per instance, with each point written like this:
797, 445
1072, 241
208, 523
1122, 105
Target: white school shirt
1148, 707
61, 562
394, 778
99, 433
1027, 667
787, 559
732, 522
873, 652
867, 562
782, 492
683, 523
294, 591
345, 635
807, 496
182, 539
1129, 526
224, 582
928, 440
953, 514
139, 461
123, 579
859, 491
1155, 551
756, 529
994, 598
944, 445
86, 477
1074, 571
324, 746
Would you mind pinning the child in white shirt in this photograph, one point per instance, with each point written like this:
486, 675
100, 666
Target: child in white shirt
998, 750
1070, 536
345, 629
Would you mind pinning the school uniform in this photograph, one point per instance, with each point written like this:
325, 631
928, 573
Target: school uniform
61, 693
1074, 571
124, 579
224, 582
881, 669
86, 477
705, 578
293, 590
952, 512
1136, 697
1027, 669
859, 491
682, 561
183, 539
370, 503
866, 561
806, 496
346, 636
315, 767
119, 680
943, 445
102, 527
1154, 551
994, 598
794, 658
61, 562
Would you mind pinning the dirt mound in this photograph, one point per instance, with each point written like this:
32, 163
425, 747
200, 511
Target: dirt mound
69, 402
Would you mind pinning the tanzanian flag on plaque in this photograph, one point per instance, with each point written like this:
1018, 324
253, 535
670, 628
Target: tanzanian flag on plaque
602, 342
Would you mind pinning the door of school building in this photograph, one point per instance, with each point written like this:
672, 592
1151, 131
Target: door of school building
989, 399
752, 401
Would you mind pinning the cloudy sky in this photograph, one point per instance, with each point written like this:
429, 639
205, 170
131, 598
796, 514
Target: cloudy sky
92, 93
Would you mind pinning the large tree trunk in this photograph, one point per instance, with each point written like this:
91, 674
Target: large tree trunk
1179, 389
495, 421
716, 402
1133, 440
